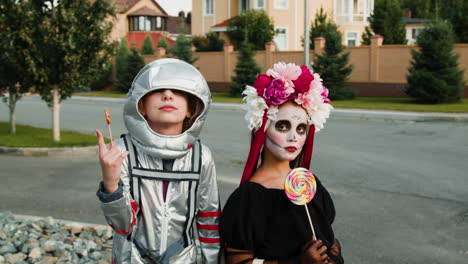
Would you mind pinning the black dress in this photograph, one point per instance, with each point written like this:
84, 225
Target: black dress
264, 221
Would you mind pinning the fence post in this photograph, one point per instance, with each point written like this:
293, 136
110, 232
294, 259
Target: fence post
319, 45
161, 52
228, 49
374, 57
270, 47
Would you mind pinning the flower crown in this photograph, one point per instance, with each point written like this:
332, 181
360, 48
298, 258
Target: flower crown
287, 82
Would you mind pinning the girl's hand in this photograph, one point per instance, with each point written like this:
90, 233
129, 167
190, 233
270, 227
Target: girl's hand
314, 252
111, 160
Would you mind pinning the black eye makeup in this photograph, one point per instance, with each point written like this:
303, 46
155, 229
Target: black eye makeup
301, 129
283, 125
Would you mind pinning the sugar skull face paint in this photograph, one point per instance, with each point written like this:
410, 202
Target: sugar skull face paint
286, 136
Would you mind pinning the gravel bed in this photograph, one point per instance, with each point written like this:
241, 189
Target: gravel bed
48, 240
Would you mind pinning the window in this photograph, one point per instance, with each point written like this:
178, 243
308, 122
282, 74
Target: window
415, 32
281, 4
243, 5
146, 23
259, 4
281, 38
351, 38
209, 7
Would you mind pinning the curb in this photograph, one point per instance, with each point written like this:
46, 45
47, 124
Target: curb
65, 222
53, 152
352, 113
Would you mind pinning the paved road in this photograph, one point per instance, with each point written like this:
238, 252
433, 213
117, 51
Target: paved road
400, 188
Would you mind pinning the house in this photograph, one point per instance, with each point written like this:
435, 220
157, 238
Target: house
135, 19
413, 26
287, 15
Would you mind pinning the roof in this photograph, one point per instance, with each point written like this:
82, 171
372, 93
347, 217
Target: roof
123, 6
223, 26
173, 24
146, 11
136, 38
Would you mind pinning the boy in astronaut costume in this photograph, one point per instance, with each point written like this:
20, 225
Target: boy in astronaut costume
158, 179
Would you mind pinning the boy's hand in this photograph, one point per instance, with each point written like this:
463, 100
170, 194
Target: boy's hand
314, 252
111, 160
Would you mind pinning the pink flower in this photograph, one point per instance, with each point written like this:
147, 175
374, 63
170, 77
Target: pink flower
325, 95
261, 83
302, 83
286, 72
275, 93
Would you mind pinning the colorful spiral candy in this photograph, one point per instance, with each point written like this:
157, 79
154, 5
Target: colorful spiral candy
300, 186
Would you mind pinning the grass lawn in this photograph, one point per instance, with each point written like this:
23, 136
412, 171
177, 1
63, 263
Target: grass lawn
374, 103
33, 137
401, 104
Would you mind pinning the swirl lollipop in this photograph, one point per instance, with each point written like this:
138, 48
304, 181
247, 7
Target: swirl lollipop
300, 187
108, 121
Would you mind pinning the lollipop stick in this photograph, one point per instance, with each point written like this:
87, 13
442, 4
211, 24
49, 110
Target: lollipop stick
310, 222
110, 132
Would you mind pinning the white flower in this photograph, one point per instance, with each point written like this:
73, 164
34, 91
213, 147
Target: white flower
250, 93
255, 108
320, 115
271, 114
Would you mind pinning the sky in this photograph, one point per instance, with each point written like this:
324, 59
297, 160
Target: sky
173, 7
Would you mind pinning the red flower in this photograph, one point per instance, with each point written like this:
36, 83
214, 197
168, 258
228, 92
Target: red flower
302, 83
261, 83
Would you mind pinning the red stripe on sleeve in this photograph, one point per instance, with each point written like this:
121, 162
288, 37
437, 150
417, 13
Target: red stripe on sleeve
207, 227
209, 214
209, 240
119, 231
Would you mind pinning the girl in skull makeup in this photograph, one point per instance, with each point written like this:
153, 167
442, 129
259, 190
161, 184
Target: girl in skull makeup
285, 107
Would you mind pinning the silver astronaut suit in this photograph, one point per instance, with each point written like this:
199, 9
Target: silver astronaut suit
147, 228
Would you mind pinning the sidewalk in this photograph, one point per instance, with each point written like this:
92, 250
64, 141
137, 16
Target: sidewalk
339, 112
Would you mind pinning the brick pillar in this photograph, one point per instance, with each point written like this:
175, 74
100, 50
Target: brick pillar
228, 49
270, 48
161, 52
319, 45
374, 58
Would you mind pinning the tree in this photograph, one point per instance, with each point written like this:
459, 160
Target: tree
183, 47
73, 37
251, 25
15, 46
333, 65
246, 69
319, 27
434, 76
459, 19
211, 42
366, 36
121, 62
387, 21
147, 47
134, 64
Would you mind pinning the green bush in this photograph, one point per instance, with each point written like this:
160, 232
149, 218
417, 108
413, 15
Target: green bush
246, 69
135, 62
147, 48
211, 42
162, 43
434, 76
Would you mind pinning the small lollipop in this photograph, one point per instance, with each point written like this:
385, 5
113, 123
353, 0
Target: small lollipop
108, 121
300, 187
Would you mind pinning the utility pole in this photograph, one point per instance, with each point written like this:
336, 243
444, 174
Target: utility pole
306, 33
